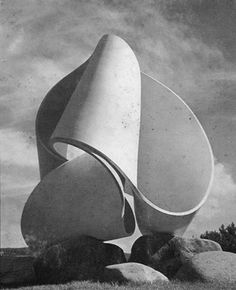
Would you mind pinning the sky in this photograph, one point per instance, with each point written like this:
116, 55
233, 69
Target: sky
188, 45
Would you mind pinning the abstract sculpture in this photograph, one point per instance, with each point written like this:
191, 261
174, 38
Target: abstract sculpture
107, 131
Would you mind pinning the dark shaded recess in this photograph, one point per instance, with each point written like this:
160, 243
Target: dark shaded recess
80, 258
146, 246
49, 114
15, 251
166, 253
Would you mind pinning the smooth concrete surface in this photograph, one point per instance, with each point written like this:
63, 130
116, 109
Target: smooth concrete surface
104, 110
80, 197
99, 103
107, 130
175, 162
48, 116
175, 175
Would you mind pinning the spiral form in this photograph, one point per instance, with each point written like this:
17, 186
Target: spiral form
116, 149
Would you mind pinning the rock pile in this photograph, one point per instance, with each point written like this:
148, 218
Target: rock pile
167, 255
153, 258
132, 272
209, 267
82, 258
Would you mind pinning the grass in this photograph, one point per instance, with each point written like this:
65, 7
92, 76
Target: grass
173, 285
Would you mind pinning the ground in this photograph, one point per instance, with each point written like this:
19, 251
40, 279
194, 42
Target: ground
157, 286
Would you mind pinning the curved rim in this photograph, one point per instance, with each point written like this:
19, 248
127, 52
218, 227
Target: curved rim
197, 207
48, 145
119, 179
80, 70
92, 151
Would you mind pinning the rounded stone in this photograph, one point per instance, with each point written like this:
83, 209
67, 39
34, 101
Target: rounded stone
215, 266
167, 257
146, 246
186, 248
132, 272
82, 258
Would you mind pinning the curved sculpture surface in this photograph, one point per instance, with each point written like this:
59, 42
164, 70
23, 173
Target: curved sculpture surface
107, 130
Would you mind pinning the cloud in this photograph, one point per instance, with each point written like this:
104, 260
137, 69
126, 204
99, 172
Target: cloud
62, 34
212, 21
220, 205
11, 210
15, 46
223, 192
25, 89
18, 158
17, 148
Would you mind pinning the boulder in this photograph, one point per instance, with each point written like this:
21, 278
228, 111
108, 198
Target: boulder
212, 266
16, 270
146, 246
81, 258
169, 257
187, 248
132, 272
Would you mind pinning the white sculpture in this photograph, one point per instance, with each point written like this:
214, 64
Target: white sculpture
107, 130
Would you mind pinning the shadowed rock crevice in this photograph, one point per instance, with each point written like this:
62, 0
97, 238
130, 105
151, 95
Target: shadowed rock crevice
166, 254
82, 258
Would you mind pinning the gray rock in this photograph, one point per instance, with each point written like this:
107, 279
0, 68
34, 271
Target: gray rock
146, 246
173, 254
212, 266
81, 258
132, 272
187, 248
16, 270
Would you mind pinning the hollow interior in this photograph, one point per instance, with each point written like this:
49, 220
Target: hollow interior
68, 151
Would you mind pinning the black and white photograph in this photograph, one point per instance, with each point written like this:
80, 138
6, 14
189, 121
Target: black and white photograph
118, 144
